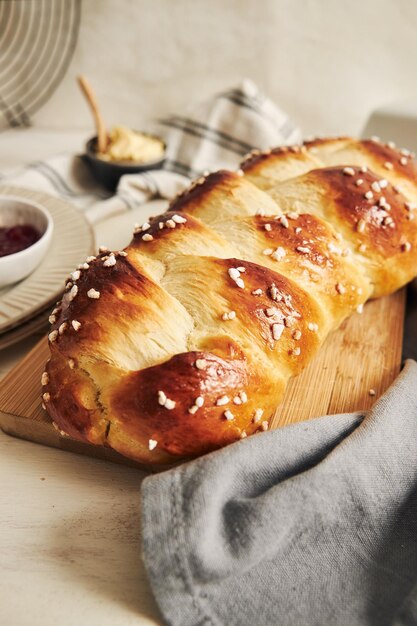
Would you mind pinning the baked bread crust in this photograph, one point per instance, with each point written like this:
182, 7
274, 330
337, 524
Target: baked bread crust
184, 341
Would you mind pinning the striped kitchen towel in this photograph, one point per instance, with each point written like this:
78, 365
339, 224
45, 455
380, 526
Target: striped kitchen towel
212, 135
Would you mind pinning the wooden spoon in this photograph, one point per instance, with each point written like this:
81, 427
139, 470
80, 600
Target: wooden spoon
102, 136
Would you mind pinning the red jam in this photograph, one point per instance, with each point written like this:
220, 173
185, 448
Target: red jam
16, 238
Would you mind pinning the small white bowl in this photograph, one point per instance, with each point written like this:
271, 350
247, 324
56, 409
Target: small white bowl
13, 212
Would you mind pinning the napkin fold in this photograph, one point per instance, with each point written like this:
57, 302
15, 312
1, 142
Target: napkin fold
312, 524
213, 134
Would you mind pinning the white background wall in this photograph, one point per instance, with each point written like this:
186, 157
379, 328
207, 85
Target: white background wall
329, 63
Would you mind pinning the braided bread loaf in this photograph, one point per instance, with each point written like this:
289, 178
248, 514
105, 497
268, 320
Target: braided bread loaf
184, 341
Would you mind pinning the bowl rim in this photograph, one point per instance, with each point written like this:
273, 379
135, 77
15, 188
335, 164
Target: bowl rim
125, 164
45, 234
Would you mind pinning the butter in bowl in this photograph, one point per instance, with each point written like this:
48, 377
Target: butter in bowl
128, 152
120, 151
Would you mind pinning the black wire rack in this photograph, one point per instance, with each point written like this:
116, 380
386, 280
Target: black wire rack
37, 41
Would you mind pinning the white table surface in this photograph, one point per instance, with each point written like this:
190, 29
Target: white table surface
70, 525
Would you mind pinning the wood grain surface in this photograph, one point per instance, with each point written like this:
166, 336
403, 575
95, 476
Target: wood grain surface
363, 354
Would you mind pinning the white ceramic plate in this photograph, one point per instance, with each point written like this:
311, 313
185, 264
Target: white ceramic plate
72, 242
37, 324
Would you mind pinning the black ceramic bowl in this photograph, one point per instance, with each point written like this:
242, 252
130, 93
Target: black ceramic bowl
108, 173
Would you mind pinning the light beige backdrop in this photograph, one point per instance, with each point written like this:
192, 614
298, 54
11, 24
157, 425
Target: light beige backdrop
327, 62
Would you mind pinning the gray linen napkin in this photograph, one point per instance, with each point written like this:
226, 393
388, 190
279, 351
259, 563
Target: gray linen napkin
312, 524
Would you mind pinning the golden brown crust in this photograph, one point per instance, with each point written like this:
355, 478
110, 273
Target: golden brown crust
223, 194
352, 206
247, 353
372, 220
177, 431
72, 401
318, 261
198, 191
184, 342
269, 168
266, 169
107, 304
281, 301
278, 154
177, 233
376, 154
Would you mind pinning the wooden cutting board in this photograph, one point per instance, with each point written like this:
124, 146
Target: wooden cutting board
363, 354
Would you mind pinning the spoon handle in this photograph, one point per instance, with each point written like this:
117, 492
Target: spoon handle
89, 94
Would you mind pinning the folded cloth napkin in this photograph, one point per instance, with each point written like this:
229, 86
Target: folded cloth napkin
214, 134
313, 524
